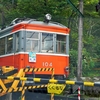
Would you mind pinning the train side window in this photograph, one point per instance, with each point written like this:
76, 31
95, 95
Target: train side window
9, 44
47, 42
32, 41
2, 45
17, 42
61, 44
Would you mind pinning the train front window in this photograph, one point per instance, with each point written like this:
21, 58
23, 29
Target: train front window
32, 41
47, 42
61, 44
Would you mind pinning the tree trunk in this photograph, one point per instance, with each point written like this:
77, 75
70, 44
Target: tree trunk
80, 33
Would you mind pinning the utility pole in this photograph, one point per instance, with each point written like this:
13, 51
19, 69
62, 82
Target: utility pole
80, 33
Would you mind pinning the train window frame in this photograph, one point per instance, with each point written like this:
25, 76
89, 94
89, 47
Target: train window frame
9, 44
62, 43
44, 48
34, 41
3, 46
17, 42
6, 51
54, 43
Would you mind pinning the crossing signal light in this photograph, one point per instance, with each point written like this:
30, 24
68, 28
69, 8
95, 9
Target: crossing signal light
97, 7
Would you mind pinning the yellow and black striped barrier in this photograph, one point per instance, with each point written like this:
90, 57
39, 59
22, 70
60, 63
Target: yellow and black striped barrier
15, 79
8, 90
9, 74
37, 69
51, 81
8, 71
28, 69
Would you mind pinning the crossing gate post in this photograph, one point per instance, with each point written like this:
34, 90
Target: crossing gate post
52, 77
23, 90
79, 93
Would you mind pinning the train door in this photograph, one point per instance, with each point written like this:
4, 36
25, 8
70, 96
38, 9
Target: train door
9, 49
16, 49
6, 50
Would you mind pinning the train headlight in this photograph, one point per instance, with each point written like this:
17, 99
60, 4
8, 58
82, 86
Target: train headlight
47, 18
66, 69
27, 66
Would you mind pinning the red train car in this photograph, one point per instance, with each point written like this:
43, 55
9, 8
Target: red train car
39, 44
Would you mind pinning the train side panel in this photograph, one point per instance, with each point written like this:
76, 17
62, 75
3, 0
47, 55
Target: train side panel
58, 62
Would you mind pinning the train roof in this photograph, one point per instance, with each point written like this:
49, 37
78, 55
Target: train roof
39, 25
32, 21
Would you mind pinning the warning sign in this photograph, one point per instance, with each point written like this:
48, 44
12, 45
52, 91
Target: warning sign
56, 88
